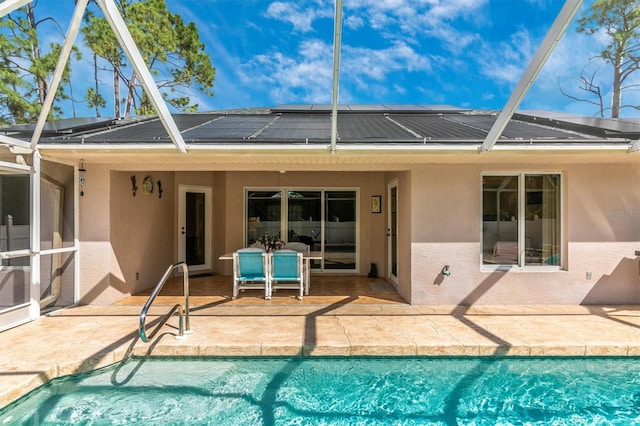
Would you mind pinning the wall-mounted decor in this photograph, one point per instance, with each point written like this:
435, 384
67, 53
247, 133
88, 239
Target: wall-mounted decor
376, 204
134, 185
147, 185
159, 189
82, 177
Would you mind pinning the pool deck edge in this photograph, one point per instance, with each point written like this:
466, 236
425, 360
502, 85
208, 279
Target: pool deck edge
84, 338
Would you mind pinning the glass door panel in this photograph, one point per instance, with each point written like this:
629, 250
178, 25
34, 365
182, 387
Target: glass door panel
340, 230
304, 220
263, 214
304, 217
195, 224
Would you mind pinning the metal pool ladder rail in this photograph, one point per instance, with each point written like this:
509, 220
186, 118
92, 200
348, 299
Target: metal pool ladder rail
183, 312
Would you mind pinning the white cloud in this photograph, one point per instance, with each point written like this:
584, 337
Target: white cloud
307, 74
301, 18
505, 63
353, 22
307, 77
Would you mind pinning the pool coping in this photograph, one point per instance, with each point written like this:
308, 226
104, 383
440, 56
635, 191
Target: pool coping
84, 338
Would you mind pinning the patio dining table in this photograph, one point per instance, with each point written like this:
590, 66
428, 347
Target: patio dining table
306, 260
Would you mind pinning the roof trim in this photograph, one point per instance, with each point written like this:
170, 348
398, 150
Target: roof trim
578, 145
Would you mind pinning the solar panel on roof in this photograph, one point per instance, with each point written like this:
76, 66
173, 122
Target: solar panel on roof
514, 129
368, 126
438, 127
152, 129
230, 127
363, 124
298, 126
65, 125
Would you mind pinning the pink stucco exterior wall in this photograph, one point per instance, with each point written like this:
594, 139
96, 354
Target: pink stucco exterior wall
601, 222
439, 218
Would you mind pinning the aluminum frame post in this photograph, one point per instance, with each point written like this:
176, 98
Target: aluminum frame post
549, 43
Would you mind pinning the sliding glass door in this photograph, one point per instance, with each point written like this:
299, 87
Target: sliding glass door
323, 219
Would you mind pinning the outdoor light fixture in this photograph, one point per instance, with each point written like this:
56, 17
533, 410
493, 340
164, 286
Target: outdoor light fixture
82, 177
446, 271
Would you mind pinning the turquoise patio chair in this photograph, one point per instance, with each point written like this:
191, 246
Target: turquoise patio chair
286, 271
250, 271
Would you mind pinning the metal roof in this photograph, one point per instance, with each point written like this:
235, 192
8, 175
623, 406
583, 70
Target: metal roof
369, 124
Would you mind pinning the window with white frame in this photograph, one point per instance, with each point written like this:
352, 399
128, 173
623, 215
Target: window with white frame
521, 219
325, 219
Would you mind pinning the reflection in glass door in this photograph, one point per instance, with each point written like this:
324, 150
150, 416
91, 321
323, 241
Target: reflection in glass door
325, 220
340, 230
392, 231
304, 220
263, 214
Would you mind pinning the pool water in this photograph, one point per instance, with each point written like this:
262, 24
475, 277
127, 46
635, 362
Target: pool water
341, 391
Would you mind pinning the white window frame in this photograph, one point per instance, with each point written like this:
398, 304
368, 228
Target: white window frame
283, 222
521, 223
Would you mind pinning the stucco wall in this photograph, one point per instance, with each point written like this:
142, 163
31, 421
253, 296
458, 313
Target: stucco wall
122, 235
141, 230
601, 223
439, 216
95, 239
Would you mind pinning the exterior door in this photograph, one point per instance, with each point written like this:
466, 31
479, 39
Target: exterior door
18, 296
324, 219
194, 227
392, 231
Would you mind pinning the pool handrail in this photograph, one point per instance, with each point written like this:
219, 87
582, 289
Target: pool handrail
182, 312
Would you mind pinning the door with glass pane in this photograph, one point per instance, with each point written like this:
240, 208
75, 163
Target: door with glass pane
194, 230
325, 220
15, 246
392, 231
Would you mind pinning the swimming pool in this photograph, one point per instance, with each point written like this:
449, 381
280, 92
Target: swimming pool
341, 391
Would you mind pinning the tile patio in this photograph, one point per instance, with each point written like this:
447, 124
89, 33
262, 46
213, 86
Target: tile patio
343, 316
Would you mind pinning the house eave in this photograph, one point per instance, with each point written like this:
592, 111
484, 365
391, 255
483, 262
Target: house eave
319, 149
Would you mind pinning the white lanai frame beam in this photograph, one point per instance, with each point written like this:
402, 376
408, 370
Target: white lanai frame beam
337, 36
126, 41
128, 45
550, 41
8, 6
70, 38
7, 140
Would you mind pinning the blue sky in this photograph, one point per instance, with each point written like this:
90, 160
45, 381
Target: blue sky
466, 53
